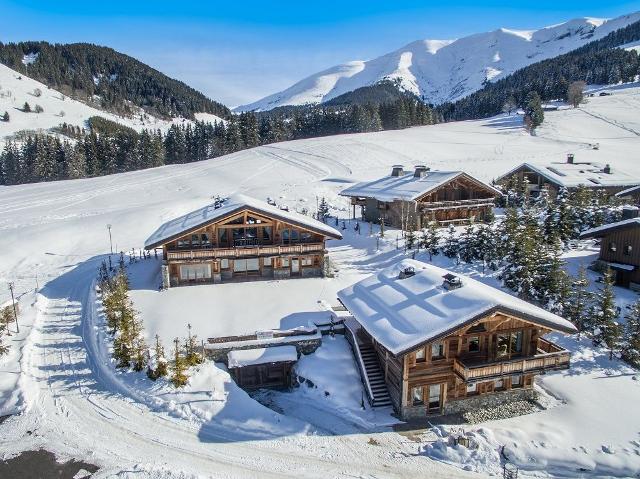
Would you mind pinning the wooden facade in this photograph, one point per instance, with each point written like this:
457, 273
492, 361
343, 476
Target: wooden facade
460, 200
620, 251
497, 353
244, 245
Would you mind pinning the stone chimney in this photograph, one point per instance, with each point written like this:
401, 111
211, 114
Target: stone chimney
570, 157
397, 170
607, 169
629, 212
451, 281
421, 171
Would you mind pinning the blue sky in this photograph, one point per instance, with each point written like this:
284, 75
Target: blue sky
239, 51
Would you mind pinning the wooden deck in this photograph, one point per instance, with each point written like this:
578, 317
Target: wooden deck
549, 357
241, 252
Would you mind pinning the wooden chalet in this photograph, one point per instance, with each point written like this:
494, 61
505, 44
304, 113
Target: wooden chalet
242, 238
431, 342
570, 174
414, 199
620, 248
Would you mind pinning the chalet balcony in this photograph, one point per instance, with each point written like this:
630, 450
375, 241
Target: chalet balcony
457, 204
242, 251
549, 357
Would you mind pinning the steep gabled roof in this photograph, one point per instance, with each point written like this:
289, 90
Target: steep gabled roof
572, 175
628, 191
408, 187
402, 314
201, 217
604, 230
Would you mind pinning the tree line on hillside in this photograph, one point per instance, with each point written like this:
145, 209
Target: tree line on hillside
101, 75
597, 62
106, 147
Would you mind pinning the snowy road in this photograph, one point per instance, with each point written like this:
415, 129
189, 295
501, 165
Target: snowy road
82, 409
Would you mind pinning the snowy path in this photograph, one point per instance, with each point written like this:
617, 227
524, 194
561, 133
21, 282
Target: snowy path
82, 410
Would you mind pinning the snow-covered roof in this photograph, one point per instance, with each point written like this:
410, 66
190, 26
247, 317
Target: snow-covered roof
628, 191
402, 314
601, 231
407, 186
177, 227
248, 357
571, 175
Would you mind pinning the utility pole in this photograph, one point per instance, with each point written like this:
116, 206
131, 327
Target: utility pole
15, 313
110, 240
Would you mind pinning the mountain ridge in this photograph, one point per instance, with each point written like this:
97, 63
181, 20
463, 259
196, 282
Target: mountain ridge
440, 71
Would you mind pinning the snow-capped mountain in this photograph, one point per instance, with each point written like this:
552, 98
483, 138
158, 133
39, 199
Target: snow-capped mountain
447, 70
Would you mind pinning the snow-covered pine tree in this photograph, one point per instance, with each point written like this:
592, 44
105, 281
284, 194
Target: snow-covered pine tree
4, 321
323, 210
631, 342
554, 285
410, 237
580, 301
430, 239
160, 368
191, 356
179, 376
607, 330
451, 245
467, 249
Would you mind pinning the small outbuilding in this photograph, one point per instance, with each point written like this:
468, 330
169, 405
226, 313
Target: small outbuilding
262, 367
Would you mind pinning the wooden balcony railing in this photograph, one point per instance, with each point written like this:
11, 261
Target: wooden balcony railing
558, 358
242, 252
449, 205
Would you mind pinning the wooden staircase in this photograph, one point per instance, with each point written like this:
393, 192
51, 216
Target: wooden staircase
367, 360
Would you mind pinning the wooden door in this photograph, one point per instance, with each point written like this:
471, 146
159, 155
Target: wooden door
295, 266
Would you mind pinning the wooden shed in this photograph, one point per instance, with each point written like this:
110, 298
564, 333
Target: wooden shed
262, 367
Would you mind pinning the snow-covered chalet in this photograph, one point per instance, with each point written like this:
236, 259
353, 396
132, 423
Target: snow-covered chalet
431, 342
413, 199
239, 239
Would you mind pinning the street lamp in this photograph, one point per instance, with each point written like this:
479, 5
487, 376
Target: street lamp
110, 241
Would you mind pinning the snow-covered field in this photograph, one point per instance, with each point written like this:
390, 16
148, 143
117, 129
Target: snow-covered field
73, 402
16, 89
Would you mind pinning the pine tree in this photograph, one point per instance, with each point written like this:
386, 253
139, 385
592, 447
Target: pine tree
451, 244
533, 113
631, 345
26, 107
468, 251
5, 318
160, 369
323, 210
5, 117
179, 376
410, 238
607, 330
191, 356
430, 239
579, 302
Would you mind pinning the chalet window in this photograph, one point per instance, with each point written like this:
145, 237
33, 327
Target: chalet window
195, 240
472, 388
306, 237
307, 261
417, 396
285, 262
502, 345
498, 385
204, 239
222, 237
434, 396
516, 381
266, 234
183, 243
612, 247
437, 350
474, 344
267, 261
628, 249
516, 342
420, 356
224, 263
192, 272
295, 236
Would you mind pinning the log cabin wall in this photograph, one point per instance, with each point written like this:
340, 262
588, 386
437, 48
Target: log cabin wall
499, 347
622, 246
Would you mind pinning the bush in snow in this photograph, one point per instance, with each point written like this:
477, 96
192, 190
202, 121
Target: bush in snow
157, 366
6, 316
38, 109
5, 117
37, 92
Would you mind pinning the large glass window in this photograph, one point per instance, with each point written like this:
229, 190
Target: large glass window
204, 239
516, 381
222, 237
286, 236
420, 356
434, 396
509, 344
516, 342
474, 344
437, 350
417, 396
502, 345
266, 234
192, 272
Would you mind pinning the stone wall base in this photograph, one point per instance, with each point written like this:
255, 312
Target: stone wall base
460, 406
303, 346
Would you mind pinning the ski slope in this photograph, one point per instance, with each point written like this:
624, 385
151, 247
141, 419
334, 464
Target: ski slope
447, 70
55, 235
17, 88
